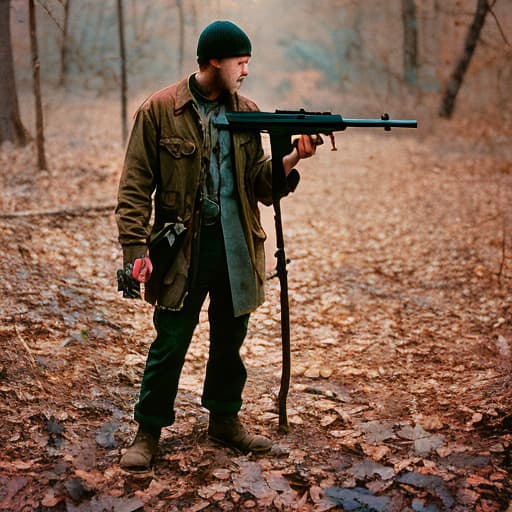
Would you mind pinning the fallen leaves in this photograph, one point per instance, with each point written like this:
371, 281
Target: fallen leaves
435, 485
354, 499
377, 453
400, 342
424, 442
367, 469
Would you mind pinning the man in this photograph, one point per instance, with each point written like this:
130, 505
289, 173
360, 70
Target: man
207, 183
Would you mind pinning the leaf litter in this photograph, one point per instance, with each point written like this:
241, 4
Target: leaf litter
401, 333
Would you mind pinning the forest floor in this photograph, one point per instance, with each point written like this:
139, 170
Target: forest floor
401, 319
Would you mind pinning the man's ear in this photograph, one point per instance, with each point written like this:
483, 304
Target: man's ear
215, 63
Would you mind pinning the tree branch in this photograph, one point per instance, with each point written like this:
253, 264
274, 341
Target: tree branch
50, 14
498, 24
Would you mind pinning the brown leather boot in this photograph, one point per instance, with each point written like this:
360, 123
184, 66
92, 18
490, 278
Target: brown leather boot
139, 455
228, 430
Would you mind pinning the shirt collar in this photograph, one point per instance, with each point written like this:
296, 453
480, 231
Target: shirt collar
184, 95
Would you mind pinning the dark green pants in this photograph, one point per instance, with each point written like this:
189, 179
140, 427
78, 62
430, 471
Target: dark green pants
225, 371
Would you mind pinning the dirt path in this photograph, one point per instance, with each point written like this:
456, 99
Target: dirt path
401, 330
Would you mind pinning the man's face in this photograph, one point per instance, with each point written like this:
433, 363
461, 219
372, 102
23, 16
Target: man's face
231, 72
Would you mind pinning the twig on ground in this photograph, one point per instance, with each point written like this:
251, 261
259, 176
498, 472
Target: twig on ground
30, 356
66, 212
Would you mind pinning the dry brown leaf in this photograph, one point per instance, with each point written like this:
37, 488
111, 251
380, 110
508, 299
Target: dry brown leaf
325, 405
405, 464
477, 480
431, 422
377, 453
325, 372
201, 505
50, 500
299, 370
475, 418
312, 372
325, 421
93, 478
316, 493
295, 419
212, 490
444, 451
221, 473
467, 497
340, 434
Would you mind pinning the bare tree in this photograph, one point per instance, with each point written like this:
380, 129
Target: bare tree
11, 127
41, 157
455, 82
410, 28
120, 17
64, 47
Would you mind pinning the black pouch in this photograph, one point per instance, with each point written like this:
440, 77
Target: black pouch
163, 248
127, 284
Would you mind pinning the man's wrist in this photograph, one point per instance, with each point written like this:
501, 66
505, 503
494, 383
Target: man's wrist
290, 161
132, 252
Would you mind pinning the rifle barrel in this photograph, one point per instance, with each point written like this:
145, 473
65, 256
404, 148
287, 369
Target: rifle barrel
298, 122
392, 123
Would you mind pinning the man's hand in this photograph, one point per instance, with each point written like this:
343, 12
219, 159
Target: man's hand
305, 147
130, 277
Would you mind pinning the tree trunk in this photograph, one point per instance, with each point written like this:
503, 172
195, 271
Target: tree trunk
410, 28
120, 17
41, 158
64, 48
11, 127
455, 82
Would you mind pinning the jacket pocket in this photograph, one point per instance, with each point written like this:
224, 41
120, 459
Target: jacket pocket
178, 147
178, 161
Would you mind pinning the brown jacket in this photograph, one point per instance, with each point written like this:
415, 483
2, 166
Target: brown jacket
165, 157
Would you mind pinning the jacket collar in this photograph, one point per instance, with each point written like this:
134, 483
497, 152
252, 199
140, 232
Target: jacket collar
184, 96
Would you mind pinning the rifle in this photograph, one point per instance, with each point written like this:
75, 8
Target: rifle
281, 126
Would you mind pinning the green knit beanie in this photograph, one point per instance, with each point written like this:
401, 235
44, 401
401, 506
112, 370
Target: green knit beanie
222, 39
